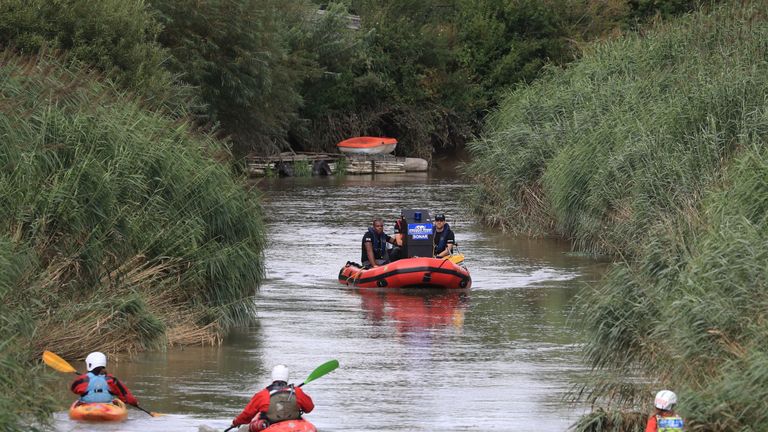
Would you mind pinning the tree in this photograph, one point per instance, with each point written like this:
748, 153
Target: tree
235, 53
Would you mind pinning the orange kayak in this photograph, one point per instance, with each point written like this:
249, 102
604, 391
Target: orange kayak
300, 425
101, 412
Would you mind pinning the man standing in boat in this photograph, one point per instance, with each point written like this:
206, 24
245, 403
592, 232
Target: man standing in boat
374, 247
443, 237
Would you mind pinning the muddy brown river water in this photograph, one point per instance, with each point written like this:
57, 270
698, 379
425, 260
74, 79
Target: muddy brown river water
497, 357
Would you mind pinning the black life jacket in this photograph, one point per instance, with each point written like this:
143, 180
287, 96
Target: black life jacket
379, 244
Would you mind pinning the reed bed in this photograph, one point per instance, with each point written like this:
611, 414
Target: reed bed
135, 236
25, 404
634, 130
652, 148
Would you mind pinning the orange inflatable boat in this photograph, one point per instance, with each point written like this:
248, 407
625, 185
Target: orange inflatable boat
407, 273
101, 412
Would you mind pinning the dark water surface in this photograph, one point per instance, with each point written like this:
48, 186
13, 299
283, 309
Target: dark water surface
496, 357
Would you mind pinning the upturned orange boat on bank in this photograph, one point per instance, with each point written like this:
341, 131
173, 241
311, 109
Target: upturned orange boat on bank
407, 273
368, 145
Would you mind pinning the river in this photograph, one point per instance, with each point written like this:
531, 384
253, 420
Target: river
499, 356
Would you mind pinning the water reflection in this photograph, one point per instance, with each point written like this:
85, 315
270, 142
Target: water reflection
414, 310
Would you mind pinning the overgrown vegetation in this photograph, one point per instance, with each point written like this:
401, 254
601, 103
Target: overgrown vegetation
18, 404
273, 75
653, 148
118, 228
117, 218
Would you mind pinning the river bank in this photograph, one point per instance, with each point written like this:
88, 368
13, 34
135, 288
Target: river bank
119, 232
652, 149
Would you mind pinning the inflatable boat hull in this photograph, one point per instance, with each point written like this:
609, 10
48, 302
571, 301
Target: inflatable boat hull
407, 273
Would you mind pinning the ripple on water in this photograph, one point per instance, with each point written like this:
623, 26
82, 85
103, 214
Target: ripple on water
497, 357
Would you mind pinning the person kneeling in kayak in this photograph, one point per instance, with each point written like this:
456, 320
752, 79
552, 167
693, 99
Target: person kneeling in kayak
278, 402
99, 386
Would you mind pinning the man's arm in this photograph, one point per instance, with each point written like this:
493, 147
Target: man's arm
304, 401
80, 385
369, 253
118, 389
259, 402
449, 241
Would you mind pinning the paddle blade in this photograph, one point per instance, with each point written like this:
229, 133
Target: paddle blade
57, 362
151, 413
456, 259
322, 370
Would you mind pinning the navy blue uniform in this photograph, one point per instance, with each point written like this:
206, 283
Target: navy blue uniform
379, 244
442, 239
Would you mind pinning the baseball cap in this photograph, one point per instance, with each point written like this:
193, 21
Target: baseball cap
439, 217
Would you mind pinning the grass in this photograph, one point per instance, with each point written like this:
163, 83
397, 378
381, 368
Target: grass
596, 151
20, 405
652, 148
134, 236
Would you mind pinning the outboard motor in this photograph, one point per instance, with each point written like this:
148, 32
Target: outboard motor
417, 238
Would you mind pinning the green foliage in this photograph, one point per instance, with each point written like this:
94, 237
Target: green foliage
646, 8
398, 77
341, 167
235, 53
29, 403
124, 209
504, 43
302, 169
653, 148
274, 74
579, 141
116, 37
602, 421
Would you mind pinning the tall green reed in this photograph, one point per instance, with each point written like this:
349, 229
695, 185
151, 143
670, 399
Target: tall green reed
653, 148
24, 402
137, 234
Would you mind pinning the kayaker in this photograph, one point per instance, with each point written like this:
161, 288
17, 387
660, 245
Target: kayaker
99, 386
374, 247
278, 402
443, 237
664, 418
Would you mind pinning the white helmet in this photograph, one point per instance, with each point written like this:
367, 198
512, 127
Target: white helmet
94, 360
665, 400
280, 373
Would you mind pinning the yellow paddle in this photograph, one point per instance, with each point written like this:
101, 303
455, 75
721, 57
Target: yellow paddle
456, 258
62, 365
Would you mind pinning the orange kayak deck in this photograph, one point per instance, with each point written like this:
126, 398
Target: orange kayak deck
291, 426
99, 412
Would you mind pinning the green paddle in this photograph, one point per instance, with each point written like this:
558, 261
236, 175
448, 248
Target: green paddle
319, 371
